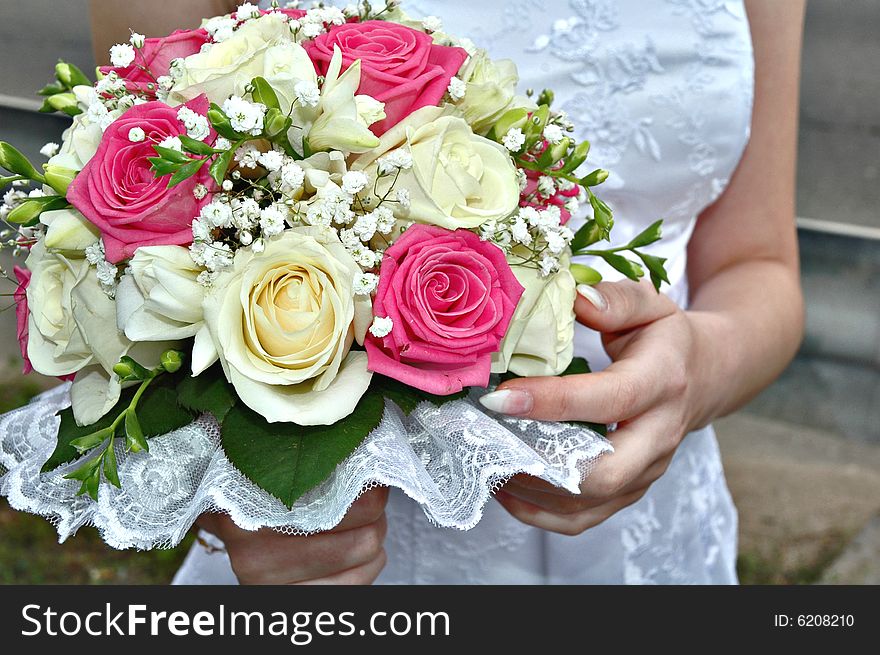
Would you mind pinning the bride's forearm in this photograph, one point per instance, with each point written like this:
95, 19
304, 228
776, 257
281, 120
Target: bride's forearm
112, 20
748, 322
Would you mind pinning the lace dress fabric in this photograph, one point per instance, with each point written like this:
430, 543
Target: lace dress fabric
663, 91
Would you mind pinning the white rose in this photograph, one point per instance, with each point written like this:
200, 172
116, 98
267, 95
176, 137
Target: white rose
540, 339
282, 324
260, 48
72, 329
160, 298
458, 179
491, 88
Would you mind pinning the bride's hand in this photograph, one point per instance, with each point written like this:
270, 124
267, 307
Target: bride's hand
651, 390
351, 553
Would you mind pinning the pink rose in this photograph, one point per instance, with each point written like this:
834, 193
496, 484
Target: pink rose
450, 296
119, 193
156, 57
400, 66
23, 276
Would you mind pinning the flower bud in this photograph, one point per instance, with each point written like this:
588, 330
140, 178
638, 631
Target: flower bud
585, 274
171, 361
70, 76
66, 103
123, 369
59, 177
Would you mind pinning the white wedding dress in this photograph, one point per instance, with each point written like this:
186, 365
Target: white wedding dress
663, 91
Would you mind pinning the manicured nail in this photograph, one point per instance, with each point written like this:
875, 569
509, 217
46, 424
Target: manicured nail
595, 298
508, 401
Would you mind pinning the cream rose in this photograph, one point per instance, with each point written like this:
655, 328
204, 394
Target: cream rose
160, 298
282, 324
457, 180
540, 339
491, 88
262, 47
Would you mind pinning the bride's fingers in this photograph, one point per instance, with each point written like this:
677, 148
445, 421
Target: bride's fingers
623, 390
567, 524
620, 306
365, 510
364, 574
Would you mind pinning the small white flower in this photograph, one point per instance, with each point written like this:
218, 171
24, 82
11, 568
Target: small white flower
206, 278
248, 156
107, 274
222, 143
218, 256
217, 214
521, 179
553, 133
245, 117
95, 253
122, 55
176, 68
220, 28
200, 191
292, 177
354, 182
227, 185
311, 30
245, 213
514, 139
403, 198
307, 93
50, 149
365, 284
137, 40
365, 226
457, 89
432, 24
272, 219
519, 230
400, 158
172, 143
196, 125
272, 160
258, 246
381, 327
546, 186
247, 11
136, 134
549, 265
555, 242
245, 238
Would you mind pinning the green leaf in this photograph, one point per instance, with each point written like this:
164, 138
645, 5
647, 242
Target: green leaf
195, 146
93, 440
221, 165
621, 264
51, 90
408, 398
172, 155
655, 266
69, 431
209, 392
111, 471
162, 167
588, 234
264, 93
29, 211
288, 460
186, 172
15, 162
578, 157
134, 435
159, 411
651, 235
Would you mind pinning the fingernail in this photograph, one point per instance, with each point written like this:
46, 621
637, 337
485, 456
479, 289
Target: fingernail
508, 401
595, 298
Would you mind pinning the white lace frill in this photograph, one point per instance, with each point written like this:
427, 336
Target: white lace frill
449, 459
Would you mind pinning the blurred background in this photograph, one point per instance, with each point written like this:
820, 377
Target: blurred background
802, 460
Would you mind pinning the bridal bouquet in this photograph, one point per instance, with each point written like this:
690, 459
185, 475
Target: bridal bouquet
294, 226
